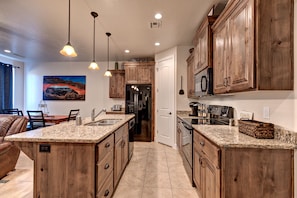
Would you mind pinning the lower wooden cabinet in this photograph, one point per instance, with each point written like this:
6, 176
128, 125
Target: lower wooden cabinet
233, 172
121, 152
206, 171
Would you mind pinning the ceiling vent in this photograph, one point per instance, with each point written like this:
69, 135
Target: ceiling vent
155, 24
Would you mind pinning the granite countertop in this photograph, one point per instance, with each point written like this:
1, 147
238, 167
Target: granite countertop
229, 136
70, 133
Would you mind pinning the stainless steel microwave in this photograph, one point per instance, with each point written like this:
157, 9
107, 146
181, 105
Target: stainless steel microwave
204, 83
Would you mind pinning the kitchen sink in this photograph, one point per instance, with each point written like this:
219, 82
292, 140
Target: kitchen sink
103, 122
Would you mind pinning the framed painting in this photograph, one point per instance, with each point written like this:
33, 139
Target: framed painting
64, 87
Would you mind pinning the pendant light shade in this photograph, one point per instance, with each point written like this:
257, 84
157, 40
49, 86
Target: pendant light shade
93, 64
108, 73
68, 50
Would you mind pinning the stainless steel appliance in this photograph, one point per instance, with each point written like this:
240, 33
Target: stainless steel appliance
216, 115
204, 83
131, 125
187, 147
139, 102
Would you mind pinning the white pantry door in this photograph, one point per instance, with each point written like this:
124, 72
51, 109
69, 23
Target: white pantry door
165, 101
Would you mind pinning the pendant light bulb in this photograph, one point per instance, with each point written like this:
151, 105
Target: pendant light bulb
108, 73
68, 50
94, 65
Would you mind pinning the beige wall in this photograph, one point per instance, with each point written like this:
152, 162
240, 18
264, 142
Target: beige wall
97, 87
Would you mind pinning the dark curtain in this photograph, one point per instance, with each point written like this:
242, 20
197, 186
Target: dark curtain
5, 86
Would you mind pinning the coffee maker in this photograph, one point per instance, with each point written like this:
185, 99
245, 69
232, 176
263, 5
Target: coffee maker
194, 108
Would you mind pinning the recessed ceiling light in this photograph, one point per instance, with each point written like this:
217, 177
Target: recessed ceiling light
158, 16
127, 51
157, 44
7, 51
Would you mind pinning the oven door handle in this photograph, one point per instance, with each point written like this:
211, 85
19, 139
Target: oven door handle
186, 126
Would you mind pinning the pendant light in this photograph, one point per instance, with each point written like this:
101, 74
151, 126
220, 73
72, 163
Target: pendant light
93, 64
68, 50
108, 73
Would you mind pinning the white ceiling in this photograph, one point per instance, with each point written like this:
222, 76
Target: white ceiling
37, 30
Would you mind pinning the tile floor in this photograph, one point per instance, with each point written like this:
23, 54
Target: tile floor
155, 171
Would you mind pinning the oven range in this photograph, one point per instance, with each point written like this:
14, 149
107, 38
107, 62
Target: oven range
216, 115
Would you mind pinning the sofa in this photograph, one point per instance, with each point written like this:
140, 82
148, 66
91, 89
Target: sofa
9, 153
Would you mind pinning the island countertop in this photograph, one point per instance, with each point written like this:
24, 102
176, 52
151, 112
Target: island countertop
68, 132
229, 136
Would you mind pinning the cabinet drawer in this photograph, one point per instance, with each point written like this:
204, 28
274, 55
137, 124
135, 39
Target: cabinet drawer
207, 149
107, 189
119, 134
105, 146
104, 168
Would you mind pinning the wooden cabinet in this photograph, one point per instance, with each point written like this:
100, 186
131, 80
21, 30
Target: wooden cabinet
253, 46
206, 169
232, 172
139, 72
203, 42
104, 167
117, 84
190, 76
121, 152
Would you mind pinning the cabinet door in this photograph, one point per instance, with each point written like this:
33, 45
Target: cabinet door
211, 180
197, 170
131, 74
220, 58
117, 161
196, 52
190, 76
125, 151
241, 35
117, 84
144, 74
203, 61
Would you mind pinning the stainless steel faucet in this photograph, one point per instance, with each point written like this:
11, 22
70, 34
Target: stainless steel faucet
93, 116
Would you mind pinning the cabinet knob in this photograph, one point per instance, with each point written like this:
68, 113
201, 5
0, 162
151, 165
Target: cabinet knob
106, 166
107, 145
202, 143
170, 113
106, 193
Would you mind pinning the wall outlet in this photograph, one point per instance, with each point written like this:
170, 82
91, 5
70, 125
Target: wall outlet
266, 112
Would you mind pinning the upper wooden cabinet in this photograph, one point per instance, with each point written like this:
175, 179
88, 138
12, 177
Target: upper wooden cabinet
190, 76
203, 42
253, 46
117, 84
139, 72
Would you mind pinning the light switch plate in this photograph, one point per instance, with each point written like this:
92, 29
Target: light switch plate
246, 115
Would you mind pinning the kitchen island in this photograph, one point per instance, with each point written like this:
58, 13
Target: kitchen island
76, 161
229, 164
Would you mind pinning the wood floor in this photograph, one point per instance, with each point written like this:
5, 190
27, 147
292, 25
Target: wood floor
155, 171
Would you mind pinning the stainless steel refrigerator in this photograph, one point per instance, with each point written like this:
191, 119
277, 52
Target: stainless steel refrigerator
139, 102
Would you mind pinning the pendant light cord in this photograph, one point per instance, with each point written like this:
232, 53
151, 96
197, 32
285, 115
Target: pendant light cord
69, 22
108, 34
94, 41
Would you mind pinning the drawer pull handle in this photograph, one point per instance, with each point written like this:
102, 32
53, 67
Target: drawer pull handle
106, 166
202, 143
106, 193
107, 145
